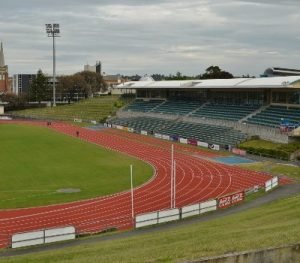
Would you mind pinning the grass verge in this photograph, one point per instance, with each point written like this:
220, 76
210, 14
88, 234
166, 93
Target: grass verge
270, 225
290, 171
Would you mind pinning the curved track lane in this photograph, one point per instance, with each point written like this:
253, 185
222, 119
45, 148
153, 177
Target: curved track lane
196, 180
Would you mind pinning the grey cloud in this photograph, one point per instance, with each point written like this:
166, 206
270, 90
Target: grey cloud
152, 36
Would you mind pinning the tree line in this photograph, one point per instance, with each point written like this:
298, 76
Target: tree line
212, 72
79, 85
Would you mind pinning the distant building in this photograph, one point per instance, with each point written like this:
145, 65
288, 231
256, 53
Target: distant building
113, 81
97, 68
279, 72
4, 80
22, 82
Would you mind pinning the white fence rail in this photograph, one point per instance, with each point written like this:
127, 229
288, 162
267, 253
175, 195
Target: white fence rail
197, 209
270, 184
158, 217
183, 140
174, 214
43, 236
144, 132
27, 239
168, 215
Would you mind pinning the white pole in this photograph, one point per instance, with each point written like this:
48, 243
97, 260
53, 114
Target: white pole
174, 199
172, 157
132, 208
54, 73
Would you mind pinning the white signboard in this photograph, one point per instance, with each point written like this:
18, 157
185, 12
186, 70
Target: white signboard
182, 140
202, 144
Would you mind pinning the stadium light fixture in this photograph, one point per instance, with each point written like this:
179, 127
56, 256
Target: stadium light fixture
53, 31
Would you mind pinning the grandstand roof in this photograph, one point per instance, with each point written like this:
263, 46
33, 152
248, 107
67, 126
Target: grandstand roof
259, 83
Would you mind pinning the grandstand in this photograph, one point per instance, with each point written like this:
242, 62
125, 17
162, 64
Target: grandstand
273, 115
247, 106
211, 134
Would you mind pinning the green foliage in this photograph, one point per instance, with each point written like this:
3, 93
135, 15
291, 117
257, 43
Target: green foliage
39, 89
271, 225
270, 149
14, 101
85, 83
119, 104
214, 72
45, 161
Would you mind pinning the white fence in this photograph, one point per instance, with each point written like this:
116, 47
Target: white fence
154, 218
157, 135
166, 137
42, 236
182, 140
270, 184
197, 209
202, 144
169, 215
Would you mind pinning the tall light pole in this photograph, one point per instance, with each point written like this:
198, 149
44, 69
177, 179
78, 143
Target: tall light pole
53, 31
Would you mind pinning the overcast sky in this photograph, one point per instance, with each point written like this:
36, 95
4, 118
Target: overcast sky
151, 36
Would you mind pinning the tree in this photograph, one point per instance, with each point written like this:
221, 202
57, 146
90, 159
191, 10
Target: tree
214, 72
14, 101
82, 83
179, 76
94, 82
39, 88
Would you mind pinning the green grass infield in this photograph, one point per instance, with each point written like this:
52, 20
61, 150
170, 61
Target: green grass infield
36, 162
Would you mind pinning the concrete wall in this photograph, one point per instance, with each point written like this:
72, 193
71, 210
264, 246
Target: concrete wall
283, 254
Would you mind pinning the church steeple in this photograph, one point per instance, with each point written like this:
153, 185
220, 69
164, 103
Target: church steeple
2, 62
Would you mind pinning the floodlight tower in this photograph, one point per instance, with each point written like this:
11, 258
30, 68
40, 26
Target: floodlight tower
53, 31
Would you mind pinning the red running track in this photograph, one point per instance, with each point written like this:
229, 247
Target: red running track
197, 180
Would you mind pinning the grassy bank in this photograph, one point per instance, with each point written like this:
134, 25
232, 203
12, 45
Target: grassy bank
276, 169
90, 109
271, 225
270, 149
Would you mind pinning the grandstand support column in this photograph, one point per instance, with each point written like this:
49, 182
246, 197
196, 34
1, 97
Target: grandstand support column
131, 183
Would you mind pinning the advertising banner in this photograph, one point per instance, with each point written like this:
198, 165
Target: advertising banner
230, 200
182, 140
174, 138
202, 144
215, 147
192, 142
239, 151
166, 137
157, 135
